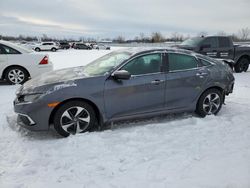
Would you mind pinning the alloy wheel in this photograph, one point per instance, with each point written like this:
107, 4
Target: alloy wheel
211, 103
75, 120
16, 76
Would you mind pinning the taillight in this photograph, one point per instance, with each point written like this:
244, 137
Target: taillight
44, 61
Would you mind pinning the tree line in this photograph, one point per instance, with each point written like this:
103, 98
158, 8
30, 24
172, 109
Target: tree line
155, 37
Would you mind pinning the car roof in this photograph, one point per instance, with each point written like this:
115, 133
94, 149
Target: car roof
17, 47
142, 50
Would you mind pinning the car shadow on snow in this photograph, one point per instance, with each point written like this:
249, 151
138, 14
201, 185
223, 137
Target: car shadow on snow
3, 83
121, 125
161, 119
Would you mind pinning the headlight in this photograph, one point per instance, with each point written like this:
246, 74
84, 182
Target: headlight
31, 97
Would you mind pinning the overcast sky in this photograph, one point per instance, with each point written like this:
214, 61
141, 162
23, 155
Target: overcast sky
110, 18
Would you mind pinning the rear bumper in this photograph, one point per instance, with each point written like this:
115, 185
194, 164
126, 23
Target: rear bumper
229, 88
41, 69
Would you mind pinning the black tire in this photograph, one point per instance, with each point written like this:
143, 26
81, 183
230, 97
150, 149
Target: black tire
16, 75
203, 106
69, 107
53, 49
242, 65
37, 49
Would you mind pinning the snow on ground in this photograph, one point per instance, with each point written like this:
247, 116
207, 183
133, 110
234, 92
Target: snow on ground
176, 151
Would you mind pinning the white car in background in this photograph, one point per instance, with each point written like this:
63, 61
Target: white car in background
45, 46
18, 64
101, 47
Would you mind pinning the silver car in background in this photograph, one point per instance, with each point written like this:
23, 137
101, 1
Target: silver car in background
124, 84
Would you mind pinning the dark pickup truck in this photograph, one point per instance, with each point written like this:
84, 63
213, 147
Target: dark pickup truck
221, 47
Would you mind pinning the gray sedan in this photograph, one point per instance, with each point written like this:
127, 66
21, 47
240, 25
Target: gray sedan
124, 84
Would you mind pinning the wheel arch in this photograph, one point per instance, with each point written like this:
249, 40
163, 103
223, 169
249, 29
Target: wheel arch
247, 56
12, 66
92, 104
212, 87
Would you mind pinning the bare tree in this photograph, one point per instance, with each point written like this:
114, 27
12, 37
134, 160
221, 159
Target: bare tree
177, 36
202, 34
142, 37
157, 37
119, 39
222, 33
244, 33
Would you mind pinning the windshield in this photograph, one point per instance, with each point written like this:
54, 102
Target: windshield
106, 63
193, 42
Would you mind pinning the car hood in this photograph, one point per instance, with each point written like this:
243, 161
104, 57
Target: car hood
55, 77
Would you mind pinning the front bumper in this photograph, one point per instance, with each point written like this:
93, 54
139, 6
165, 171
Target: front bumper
33, 116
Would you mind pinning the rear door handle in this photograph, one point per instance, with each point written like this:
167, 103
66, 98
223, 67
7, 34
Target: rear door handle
157, 82
201, 74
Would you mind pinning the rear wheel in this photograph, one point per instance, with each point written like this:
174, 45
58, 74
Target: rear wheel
209, 103
242, 65
74, 117
16, 75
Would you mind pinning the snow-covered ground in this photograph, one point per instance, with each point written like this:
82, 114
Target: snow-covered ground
175, 151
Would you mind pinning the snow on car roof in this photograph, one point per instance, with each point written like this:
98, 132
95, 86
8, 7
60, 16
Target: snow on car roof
16, 46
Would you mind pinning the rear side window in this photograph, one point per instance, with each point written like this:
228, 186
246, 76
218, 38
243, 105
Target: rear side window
212, 42
7, 50
224, 42
178, 62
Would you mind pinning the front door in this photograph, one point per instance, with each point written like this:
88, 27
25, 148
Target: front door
209, 47
143, 92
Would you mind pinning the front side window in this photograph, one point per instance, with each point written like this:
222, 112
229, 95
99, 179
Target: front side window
224, 42
144, 64
8, 50
178, 62
106, 63
212, 42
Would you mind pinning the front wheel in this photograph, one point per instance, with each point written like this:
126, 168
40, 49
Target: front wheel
37, 49
74, 117
53, 49
242, 65
209, 103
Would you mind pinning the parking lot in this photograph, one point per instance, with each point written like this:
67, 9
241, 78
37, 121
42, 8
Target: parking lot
172, 151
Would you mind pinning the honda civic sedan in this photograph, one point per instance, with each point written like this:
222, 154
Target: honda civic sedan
125, 84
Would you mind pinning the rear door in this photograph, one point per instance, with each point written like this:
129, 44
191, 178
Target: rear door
209, 46
143, 92
184, 80
226, 49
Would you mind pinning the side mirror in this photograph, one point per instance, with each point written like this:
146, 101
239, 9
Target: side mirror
121, 74
205, 46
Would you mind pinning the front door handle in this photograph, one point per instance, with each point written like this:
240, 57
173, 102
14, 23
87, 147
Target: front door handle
157, 82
